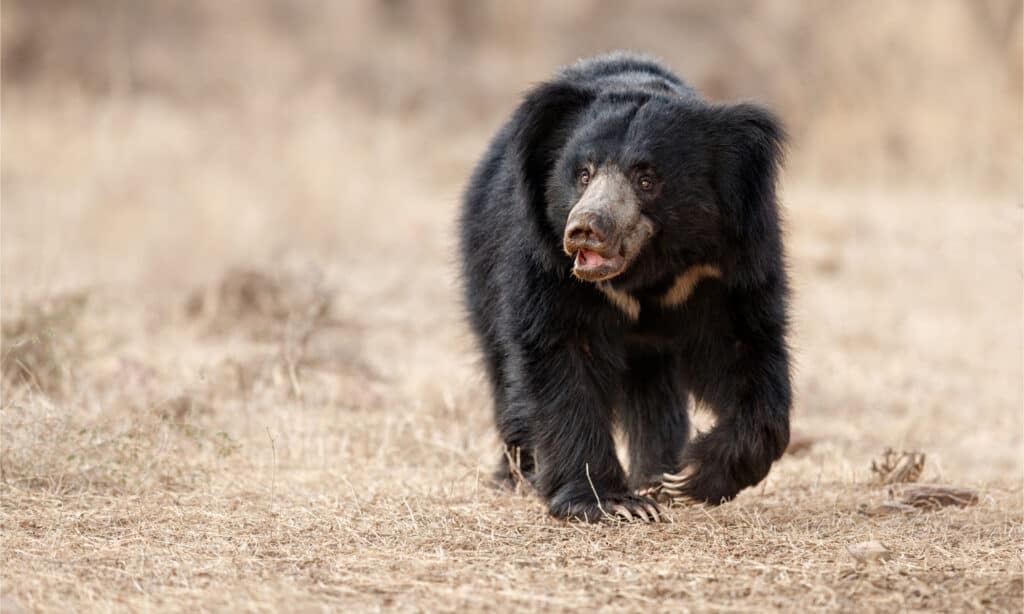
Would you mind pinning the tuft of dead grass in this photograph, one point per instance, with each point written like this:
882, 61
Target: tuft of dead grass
896, 467
41, 343
289, 308
49, 449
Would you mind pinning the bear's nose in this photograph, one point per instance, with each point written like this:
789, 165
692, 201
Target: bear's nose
588, 228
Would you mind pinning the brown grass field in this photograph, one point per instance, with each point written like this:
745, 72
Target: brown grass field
236, 372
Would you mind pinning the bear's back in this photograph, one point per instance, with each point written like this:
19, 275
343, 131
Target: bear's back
627, 72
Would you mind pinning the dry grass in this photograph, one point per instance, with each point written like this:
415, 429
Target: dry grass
252, 388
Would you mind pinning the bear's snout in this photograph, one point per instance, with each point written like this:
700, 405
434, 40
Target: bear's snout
587, 229
591, 237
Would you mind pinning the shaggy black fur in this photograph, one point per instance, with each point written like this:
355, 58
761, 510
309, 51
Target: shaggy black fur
565, 362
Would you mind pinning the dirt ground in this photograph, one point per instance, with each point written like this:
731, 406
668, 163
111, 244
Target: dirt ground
237, 375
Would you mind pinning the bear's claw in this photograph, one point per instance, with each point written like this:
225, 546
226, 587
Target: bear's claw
622, 508
639, 509
673, 486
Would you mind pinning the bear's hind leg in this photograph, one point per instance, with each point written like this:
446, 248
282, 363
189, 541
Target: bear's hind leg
569, 399
516, 464
515, 467
655, 418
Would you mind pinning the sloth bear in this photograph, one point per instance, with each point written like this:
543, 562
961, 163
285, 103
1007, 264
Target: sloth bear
621, 251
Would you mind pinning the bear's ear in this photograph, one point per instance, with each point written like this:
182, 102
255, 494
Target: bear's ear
541, 126
748, 153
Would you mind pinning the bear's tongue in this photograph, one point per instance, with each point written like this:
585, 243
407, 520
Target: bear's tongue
587, 257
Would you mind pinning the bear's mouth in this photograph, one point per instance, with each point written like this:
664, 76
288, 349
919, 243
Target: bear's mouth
590, 265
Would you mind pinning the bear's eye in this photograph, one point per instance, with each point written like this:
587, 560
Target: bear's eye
646, 183
583, 176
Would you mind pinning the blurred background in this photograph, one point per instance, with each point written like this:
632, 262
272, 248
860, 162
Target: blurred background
244, 126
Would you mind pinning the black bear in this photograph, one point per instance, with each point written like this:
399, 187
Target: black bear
621, 251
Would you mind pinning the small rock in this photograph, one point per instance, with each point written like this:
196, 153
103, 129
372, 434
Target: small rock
867, 552
887, 508
934, 496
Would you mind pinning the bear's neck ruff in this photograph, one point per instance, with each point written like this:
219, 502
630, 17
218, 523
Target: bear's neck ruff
677, 294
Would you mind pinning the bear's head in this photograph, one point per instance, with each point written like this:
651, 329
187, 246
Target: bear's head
635, 187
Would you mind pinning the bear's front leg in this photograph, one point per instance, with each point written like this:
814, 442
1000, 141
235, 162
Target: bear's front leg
745, 379
570, 393
735, 454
